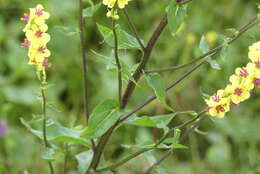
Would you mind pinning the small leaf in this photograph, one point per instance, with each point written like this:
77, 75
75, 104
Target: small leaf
125, 40
204, 47
156, 82
159, 121
214, 64
84, 159
176, 14
179, 146
224, 52
48, 154
90, 11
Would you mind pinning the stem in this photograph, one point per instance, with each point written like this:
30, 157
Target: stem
147, 53
126, 159
168, 153
84, 59
119, 68
134, 30
44, 126
104, 139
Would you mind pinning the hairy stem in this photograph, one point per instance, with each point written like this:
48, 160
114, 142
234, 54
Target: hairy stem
44, 126
84, 59
119, 68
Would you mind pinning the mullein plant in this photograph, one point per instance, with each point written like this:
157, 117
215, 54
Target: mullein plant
36, 42
241, 84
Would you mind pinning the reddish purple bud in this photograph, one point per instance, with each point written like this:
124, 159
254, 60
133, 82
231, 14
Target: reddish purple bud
45, 63
26, 43
257, 64
257, 82
26, 17
243, 72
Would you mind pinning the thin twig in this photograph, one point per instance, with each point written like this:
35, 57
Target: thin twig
84, 59
134, 30
169, 152
119, 68
143, 150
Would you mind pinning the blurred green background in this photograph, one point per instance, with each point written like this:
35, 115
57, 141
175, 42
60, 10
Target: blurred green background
228, 146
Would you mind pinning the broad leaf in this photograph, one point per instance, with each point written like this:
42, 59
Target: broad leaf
48, 154
214, 64
84, 159
125, 40
90, 11
176, 15
103, 117
224, 52
56, 132
156, 82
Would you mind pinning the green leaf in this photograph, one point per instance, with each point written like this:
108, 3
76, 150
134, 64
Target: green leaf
176, 14
84, 159
214, 64
159, 121
90, 11
56, 132
224, 52
48, 154
204, 47
156, 82
103, 117
179, 146
125, 40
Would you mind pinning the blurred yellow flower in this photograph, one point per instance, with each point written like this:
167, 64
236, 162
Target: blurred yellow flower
111, 4
254, 52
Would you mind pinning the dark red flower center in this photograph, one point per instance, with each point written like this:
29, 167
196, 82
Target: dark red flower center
243, 72
41, 49
38, 33
257, 64
39, 11
219, 109
215, 98
238, 91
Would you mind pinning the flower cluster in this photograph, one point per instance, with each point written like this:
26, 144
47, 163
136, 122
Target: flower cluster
241, 84
36, 37
112, 12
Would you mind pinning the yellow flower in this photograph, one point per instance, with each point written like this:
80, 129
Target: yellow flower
219, 98
112, 14
109, 3
219, 110
239, 89
122, 3
254, 52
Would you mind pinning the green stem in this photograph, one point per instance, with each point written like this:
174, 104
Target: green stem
119, 68
44, 126
134, 30
84, 59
